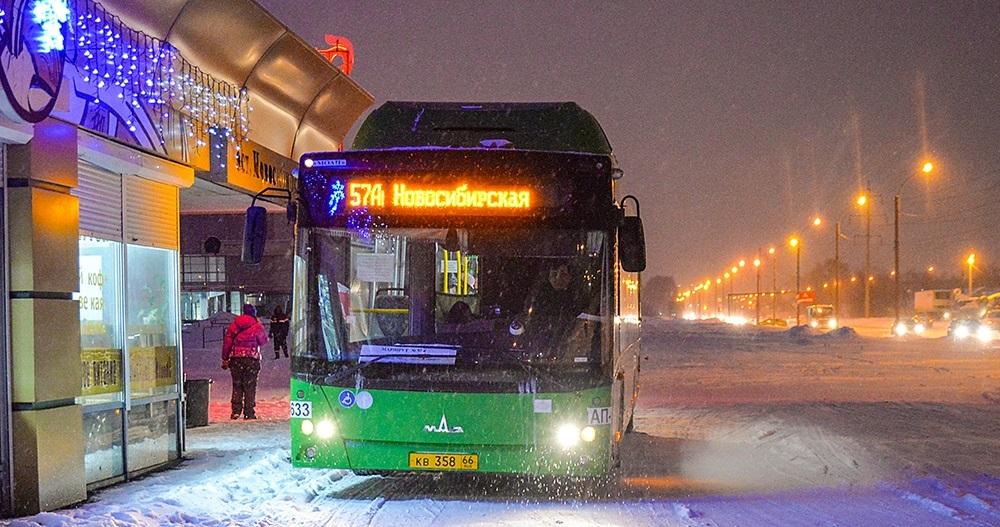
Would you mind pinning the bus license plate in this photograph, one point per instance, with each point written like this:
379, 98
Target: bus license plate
444, 461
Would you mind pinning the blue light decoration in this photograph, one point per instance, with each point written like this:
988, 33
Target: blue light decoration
360, 222
336, 196
50, 15
152, 77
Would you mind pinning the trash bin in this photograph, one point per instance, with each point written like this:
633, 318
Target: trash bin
196, 396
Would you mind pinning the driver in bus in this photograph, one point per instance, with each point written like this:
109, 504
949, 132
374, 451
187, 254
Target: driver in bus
554, 308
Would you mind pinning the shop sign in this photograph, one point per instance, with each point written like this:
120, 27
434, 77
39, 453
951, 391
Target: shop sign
151, 367
251, 168
102, 371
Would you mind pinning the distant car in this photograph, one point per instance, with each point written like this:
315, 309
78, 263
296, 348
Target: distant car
774, 322
984, 329
820, 316
915, 325
989, 326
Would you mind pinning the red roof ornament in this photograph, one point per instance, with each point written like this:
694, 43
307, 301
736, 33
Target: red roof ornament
339, 47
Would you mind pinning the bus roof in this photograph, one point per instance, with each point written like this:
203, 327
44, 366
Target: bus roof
550, 126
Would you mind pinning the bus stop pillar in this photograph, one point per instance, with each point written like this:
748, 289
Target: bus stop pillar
47, 424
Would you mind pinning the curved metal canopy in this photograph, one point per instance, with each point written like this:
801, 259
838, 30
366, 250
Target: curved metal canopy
301, 102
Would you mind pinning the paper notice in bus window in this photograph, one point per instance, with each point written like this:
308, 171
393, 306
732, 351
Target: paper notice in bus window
414, 354
598, 416
375, 267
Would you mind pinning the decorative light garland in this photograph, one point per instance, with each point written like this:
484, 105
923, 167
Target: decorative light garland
149, 75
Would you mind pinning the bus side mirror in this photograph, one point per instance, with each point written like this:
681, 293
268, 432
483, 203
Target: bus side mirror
254, 235
632, 245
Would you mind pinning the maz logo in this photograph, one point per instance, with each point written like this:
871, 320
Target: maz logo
442, 427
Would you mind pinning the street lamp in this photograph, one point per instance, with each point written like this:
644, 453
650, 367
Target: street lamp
718, 281
862, 202
971, 260
774, 284
729, 309
927, 168
794, 242
756, 265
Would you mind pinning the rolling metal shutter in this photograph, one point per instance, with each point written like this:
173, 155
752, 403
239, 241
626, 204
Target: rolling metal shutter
100, 193
151, 213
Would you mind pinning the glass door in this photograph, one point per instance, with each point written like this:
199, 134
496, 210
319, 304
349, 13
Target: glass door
152, 334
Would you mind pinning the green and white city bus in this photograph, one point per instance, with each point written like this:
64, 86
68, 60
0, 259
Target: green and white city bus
466, 295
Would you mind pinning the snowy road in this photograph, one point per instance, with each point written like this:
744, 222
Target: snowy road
735, 428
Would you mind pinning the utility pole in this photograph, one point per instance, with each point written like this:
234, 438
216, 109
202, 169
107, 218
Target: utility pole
774, 284
895, 249
868, 256
836, 272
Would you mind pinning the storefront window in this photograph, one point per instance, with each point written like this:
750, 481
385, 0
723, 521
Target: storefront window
152, 320
103, 458
202, 305
100, 323
152, 434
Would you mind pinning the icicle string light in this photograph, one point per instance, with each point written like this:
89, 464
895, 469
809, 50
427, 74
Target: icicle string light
152, 77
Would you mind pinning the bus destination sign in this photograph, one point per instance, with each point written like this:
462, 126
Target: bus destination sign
340, 196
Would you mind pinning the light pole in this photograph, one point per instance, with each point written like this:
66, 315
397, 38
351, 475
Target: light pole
718, 309
862, 202
836, 272
756, 265
794, 242
971, 260
774, 284
927, 168
729, 310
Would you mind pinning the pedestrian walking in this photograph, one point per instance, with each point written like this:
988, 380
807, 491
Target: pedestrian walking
279, 332
241, 356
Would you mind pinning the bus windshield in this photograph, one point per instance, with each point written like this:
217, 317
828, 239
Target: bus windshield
431, 302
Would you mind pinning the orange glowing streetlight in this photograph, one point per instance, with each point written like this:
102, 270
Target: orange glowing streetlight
756, 298
862, 200
817, 221
971, 260
774, 282
927, 168
743, 263
794, 242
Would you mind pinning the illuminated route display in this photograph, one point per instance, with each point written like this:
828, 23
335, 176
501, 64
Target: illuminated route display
392, 184
377, 196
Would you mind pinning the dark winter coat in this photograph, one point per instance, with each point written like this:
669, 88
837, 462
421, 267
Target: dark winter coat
279, 327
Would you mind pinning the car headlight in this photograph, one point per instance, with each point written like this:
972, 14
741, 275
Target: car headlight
919, 329
984, 334
307, 427
814, 324
568, 435
325, 429
833, 323
962, 332
901, 329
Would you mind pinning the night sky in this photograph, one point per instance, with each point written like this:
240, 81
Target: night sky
735, 122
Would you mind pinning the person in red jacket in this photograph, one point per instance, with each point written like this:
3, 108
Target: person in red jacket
241, 356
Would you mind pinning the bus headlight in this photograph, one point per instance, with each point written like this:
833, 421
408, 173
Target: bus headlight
962, 332
568, 435
833, 323
307, 427
814, 324
325, 429
588, 433
984, 334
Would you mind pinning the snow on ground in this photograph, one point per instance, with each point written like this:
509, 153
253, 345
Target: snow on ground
735, 427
